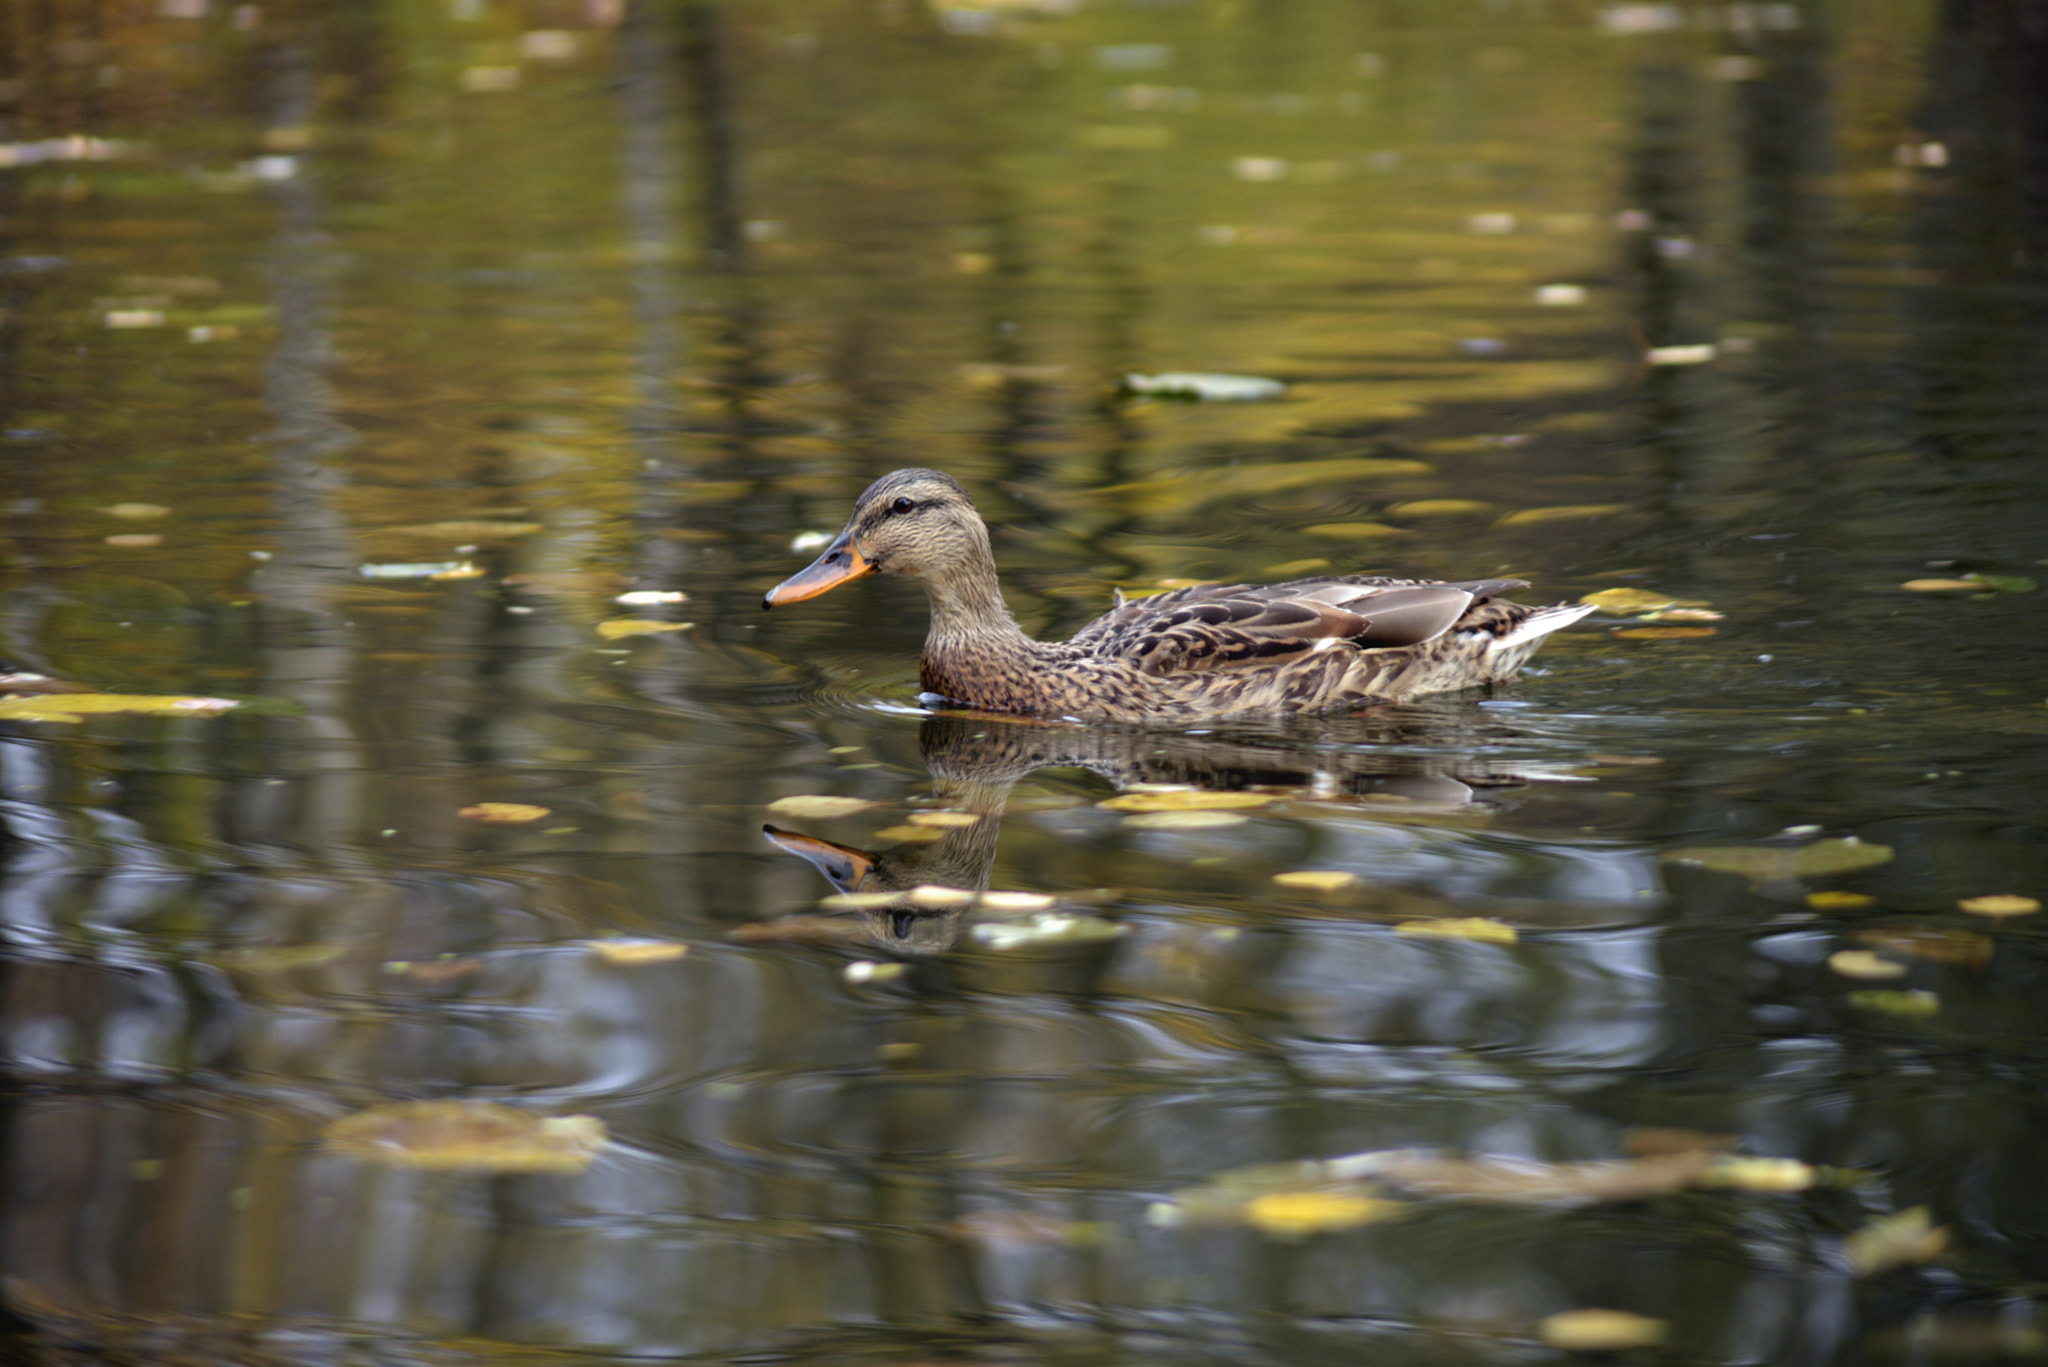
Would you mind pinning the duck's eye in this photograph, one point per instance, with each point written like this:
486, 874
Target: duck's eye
901, 505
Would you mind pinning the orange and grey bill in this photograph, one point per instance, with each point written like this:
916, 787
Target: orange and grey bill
841, 561
843, 864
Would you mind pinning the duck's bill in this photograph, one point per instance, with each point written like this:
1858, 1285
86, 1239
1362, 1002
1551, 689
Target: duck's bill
843, 864
842, 561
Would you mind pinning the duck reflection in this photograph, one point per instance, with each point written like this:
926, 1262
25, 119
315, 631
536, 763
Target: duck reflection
976, 760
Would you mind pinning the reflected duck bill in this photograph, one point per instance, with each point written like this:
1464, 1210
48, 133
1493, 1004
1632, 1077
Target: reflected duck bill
845, 866
841, 563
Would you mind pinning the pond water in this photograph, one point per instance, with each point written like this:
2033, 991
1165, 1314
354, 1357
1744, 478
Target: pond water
357, 358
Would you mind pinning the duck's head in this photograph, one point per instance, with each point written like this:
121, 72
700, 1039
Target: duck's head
915, 522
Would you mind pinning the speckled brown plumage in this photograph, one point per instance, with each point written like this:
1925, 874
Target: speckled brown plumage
1210, 651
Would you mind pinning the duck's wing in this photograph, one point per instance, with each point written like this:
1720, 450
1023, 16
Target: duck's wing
1216, 626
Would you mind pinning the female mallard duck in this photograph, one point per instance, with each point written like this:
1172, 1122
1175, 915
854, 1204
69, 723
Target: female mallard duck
1210, 651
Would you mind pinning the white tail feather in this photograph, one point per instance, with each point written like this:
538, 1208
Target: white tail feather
1541, 624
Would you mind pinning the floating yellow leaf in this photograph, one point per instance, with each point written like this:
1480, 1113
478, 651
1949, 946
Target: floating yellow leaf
938, 897
1774, 863
1563, 513
137, 512
1945, 586
868, 971
503, 813
910, 835
468, 1136
1913, 1004
467, 531
1759, 1174
1321, 880
70, 707
860, 901
613, 628
2000, 904
1683, 615
819, 805
1911, 1236
1483, 928
1599, 1331
1183, 821
1353, 531
1440, 507
1664, 633
135, 539
1631, 601
1863, 963
1017, 901
631, 953
1298, 1214
944, 819
1839, 901
1184, 800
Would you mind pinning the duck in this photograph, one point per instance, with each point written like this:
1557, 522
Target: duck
1197, 653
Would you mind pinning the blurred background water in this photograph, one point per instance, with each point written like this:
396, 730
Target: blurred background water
355, 358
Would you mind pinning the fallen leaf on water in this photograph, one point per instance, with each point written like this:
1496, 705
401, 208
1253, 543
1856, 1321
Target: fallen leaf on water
1017, 901
1599, 1331
1664, 633
135, 539
938, 897
137, 512
819, 805
468, 1136
427, 569
1916, 1003
1184, 800
1525, 1182
945, 820
2004, 583
1684, 615
1321, 880
1483, 928
1563, 513
1759, 1174
1440, 507
868, 971
1629, 760
1628, 602
1776, 863
1944, 586
613, 628
71, 707
859, 901
1183, 821
1298, 1214
1839, 901
1964, 947
1863, 963
1911, 1236
909, 835
2000, 904
631, 953
1046, 928
503, 813
1353, 531
466, 531
647, 598
1697, 353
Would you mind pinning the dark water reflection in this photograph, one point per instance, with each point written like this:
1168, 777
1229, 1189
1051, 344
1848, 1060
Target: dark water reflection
593, 298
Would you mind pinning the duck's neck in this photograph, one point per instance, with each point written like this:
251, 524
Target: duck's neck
975, 652
967, 605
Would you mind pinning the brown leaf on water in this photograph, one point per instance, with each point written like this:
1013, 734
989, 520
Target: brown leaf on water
468, 1136
1965, 948
1778, 863
1945, 586
1600, 1331
503, 813
1184, 800
464, 531
818, 805
137, 512
142, 539
71, 707
1900, 1240
1665, 633
2000, 904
